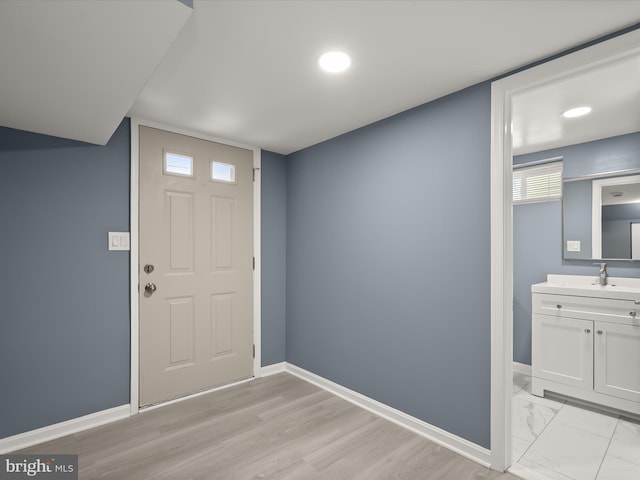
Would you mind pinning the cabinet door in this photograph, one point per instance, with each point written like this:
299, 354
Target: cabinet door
562, 350
617, 360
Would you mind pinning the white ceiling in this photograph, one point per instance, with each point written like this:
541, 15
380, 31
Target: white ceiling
246, 70
73, 69
612, 91
621, 194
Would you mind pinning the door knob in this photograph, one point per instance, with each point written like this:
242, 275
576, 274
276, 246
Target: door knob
150, 288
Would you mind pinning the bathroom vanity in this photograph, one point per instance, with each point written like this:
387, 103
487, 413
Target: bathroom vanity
586, 340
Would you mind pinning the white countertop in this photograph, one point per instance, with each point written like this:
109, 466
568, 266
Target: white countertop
587, 286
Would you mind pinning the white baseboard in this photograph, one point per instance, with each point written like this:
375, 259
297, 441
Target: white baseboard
273, 369
452, 442
521, 368
51, 432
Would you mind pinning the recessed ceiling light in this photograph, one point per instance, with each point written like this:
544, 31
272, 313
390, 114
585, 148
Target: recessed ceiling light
334, 62
576, 112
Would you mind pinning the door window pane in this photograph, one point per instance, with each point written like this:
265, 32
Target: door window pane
223, 172
176, 164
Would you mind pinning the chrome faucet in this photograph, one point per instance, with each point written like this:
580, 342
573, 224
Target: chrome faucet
603, 274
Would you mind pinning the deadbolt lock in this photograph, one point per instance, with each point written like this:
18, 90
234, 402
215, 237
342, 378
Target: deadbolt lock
148, 268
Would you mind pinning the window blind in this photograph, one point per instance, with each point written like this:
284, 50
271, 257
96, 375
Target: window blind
539, 183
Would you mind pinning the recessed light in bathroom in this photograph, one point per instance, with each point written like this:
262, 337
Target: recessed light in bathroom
576, 112
334, 61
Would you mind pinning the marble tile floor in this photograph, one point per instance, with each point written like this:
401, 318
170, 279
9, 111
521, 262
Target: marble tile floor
559, 440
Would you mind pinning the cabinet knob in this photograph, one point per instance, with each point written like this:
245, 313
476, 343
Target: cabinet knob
599, 332
558, 306
587, 330
633, 314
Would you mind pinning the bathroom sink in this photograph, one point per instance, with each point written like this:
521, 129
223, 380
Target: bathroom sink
587, 286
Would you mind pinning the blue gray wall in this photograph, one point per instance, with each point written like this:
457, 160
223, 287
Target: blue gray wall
537, 229
388, 269
274, 247
606, 155
65, 298
65, 336
577, 197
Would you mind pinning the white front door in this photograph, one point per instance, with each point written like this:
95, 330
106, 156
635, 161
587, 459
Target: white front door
196, 265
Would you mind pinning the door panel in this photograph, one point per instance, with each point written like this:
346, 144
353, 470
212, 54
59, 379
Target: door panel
196, 328
617, 362
222, 324
562, 350
179, 221
222, 213
181, 329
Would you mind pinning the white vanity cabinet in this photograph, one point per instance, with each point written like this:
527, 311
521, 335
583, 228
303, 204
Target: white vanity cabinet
586, 344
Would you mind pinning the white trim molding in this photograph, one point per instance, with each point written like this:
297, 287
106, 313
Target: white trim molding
459, 445
134, 257
521, 368
273, 369
618, 49
57, 430
501, 279
257, 253
134, 294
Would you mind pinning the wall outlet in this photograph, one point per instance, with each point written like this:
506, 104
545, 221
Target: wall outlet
573, 245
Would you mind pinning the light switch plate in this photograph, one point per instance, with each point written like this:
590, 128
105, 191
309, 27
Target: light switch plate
119, 241
573, 245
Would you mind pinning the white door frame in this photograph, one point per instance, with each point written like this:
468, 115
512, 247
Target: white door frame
134, 256
502, 91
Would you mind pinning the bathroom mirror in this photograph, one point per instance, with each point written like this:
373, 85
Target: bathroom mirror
601, 217
604, 143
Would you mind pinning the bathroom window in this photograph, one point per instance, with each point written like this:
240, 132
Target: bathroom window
537, 183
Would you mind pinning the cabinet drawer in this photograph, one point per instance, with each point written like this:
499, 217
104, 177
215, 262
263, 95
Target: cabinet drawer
626, 312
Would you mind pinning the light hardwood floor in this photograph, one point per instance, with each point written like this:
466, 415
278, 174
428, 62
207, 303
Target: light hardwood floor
278, 427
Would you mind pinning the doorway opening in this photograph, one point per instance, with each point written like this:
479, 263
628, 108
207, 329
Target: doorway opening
504, 91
